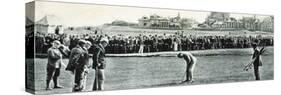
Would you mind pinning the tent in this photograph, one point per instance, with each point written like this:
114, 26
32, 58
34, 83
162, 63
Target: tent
29, 26
49, 24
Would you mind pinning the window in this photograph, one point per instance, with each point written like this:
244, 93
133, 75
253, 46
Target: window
144, 24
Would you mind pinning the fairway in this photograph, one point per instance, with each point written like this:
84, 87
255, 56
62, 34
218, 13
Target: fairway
139, 72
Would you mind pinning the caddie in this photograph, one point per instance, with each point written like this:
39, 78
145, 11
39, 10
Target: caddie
79, 64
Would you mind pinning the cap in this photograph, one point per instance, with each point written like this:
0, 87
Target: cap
104, 40
56, 42
179, 54
81, 42
89, 43
254, 45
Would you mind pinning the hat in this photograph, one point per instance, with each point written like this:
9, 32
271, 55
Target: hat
104, 40
254, 45
81, 42
89, 43
179, 54
56, 42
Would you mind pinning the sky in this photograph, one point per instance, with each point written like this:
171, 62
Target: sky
75, 14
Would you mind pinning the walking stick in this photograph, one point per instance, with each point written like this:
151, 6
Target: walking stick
97, 78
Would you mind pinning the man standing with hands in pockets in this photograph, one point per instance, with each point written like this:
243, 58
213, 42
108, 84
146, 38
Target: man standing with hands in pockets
99, 64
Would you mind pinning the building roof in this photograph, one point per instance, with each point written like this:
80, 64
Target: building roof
28, 21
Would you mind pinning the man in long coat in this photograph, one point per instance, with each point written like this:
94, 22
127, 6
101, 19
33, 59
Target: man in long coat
257, 60
99, 64
79, 64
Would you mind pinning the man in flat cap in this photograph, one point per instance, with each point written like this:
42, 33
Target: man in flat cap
79, 64
54, 65
99, 64
190, 65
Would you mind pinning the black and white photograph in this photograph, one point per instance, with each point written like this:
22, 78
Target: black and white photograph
84, 47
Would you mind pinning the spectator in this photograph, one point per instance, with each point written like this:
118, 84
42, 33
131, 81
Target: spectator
151, 43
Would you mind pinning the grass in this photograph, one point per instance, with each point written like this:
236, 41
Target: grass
141, 72
230, 51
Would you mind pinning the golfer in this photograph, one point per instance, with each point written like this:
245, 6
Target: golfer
190, 65
257, 60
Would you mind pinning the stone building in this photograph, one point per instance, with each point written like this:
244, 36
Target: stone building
222, 21
267, 24
158, 22
251, 23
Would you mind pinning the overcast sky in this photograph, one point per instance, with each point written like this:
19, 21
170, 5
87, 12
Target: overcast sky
74, 14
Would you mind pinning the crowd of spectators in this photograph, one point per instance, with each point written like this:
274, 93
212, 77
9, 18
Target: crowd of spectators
119, 44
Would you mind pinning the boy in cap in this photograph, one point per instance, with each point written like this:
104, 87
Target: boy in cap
54, 65
190, 65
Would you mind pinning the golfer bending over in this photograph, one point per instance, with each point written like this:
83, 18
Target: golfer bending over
190, 65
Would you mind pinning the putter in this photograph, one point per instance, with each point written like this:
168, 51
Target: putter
97, 77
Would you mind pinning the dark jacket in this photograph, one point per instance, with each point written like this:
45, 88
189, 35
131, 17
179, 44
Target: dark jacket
99, 57
78, 59
257, 58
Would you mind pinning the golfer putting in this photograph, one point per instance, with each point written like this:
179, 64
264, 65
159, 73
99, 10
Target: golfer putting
190, 65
